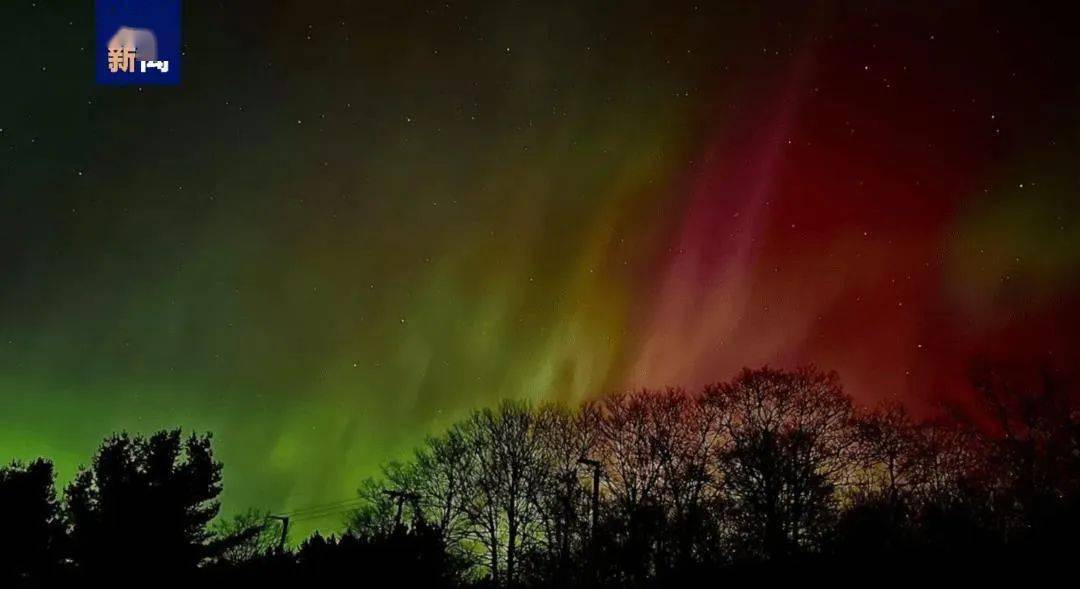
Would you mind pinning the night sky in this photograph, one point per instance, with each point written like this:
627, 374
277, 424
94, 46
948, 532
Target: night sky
350, 224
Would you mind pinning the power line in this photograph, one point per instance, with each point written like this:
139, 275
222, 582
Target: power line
312, 512
321, 506
322, 514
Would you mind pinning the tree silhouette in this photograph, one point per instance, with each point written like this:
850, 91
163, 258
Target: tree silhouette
244, 537
508, 445
32, 540
562, 503
773, 468
377, 512
789, 434
655, 448
406, 555
434, 487
1033, 464
141, 509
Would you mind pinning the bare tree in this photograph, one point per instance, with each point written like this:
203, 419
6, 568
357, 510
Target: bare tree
382, 507
789, 435
563, 504
245, 536
890, 452
655, 447
441, 482
635, 444
508, 445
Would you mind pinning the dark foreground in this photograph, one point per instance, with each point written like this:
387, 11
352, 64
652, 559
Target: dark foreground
775, 476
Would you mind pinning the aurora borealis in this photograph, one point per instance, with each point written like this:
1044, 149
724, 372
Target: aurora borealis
352, 223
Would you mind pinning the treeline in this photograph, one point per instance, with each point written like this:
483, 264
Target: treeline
774, 472
142, 514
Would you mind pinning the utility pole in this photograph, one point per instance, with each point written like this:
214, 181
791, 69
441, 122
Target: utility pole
594, 546
284, 519
596, 490
400, 497
595, 464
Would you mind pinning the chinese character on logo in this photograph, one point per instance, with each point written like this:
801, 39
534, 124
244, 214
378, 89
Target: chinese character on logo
122, 59
136, 42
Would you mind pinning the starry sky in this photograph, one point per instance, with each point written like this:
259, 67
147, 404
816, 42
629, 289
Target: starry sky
351, 223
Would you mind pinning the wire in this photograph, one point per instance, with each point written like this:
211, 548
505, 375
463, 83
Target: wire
320, 516
322, 513
303, 511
